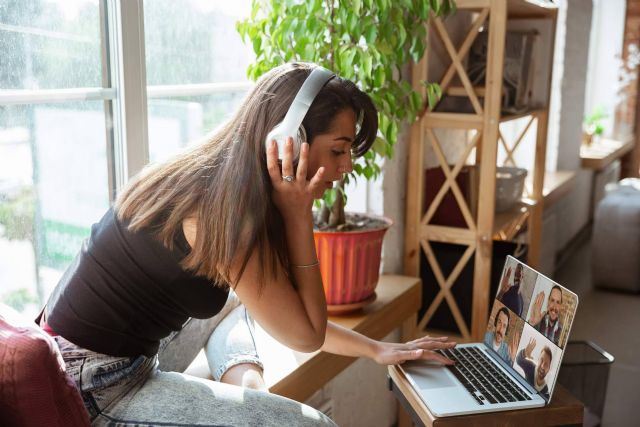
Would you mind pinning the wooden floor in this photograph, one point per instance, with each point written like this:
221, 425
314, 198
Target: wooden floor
611, 320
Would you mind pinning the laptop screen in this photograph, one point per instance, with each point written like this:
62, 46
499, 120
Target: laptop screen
529, 324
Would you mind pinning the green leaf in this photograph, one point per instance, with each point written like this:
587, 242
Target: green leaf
357, 4
368, 172
379, 146
371, 33
379, 77
389, 152
352, 22
435, 6
330, 197
416, 101
393, 131
257, 45
367, 64
402, 35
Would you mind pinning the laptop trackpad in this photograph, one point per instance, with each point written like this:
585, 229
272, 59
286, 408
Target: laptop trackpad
430, 376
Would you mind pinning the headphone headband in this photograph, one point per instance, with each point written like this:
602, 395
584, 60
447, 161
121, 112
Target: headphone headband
291, 125
318, 77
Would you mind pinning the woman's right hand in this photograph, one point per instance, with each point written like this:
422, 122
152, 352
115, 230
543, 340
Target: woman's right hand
293, 199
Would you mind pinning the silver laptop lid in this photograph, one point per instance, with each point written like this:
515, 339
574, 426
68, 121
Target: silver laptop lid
529, 324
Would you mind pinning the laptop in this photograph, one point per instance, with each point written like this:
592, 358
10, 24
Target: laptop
516, 367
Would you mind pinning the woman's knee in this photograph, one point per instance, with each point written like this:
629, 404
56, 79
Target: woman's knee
246, 375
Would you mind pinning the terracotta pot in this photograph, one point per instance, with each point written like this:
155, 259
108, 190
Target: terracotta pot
350, 262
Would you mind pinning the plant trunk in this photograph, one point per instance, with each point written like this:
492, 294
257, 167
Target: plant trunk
334, 216
337, 210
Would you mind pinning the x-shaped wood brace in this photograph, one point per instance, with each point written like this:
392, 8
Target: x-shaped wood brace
457, 56
512, 150
445, 287
450, 181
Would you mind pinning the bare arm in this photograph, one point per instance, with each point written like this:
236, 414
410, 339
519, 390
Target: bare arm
294, 315
346, 342
504, 284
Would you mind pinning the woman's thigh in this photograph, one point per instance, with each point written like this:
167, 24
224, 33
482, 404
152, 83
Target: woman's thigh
227, 338
171, 398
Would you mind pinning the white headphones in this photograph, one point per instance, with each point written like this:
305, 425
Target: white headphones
291, 125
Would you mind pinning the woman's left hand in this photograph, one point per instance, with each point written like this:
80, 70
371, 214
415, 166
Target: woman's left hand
421, 348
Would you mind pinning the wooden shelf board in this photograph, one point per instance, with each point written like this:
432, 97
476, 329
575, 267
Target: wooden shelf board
509, 117
603, 152
515, 8
461, 91
507, 224
531, 9
556, 185
453, 120
440, 233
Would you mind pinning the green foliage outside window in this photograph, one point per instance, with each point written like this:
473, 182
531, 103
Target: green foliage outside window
366, 41
17, 214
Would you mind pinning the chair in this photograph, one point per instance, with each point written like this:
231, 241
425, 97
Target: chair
34, 387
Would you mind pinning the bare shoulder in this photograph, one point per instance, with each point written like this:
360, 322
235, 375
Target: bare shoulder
190, 230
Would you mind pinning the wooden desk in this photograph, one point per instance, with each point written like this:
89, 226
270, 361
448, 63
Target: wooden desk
563, 410
298, 375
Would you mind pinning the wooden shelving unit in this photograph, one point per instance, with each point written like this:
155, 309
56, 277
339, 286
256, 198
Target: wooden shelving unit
484, 141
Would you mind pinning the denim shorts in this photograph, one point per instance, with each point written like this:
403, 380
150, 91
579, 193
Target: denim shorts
145, 391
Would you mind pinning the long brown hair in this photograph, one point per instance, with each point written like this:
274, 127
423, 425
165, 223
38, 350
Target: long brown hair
223, 181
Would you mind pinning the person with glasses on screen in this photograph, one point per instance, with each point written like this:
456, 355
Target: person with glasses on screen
198, 246
548, 323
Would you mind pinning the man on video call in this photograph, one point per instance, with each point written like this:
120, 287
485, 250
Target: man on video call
548, 323
536, 373
497, 339
509, 293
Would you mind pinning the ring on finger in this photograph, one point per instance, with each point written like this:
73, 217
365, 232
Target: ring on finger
288, 178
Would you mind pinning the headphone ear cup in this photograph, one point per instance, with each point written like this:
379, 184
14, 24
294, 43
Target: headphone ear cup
299, 138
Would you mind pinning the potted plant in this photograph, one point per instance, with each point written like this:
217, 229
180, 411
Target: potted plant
368, 42
593, 127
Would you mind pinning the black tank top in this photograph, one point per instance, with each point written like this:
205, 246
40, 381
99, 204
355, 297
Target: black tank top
125, 291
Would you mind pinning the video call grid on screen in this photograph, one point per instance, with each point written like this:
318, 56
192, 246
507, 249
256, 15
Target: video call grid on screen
540, 314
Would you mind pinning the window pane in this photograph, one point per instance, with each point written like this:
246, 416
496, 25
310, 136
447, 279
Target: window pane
174, 123
192, 42
48, 44
53, 186
195, 41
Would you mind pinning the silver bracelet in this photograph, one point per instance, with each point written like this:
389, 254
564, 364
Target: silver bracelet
306, 265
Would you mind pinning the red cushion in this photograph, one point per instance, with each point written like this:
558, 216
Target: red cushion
34, 387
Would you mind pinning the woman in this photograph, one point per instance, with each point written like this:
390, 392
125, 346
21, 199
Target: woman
152, 285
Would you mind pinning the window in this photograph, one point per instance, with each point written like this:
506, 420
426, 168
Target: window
53, 150
195, 66
59, 123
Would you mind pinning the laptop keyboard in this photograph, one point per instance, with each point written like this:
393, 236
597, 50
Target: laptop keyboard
479, 375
